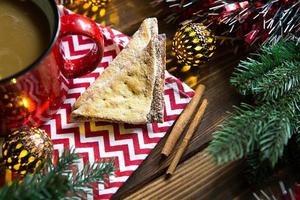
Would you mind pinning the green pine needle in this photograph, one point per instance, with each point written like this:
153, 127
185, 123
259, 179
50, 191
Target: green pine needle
273, 78
277, 82
233, 141
261, 133
272, 73
266, 128
60, 181
95, 173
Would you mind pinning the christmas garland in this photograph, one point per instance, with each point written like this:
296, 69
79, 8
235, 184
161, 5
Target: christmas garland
254, 20
261, 132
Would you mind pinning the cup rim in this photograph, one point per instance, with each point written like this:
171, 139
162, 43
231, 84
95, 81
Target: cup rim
46, 51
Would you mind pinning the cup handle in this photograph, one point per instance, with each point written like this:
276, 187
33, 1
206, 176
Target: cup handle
74, 24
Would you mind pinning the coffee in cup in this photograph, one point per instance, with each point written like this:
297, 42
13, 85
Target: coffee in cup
24, 35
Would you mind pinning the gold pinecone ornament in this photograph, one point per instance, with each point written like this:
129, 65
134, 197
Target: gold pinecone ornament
27, 150
194, 44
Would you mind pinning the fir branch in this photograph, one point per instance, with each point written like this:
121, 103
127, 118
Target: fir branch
266, 128
272, 141
262, 76
234, 140
66, 159
95, 173
277, 82
58, 182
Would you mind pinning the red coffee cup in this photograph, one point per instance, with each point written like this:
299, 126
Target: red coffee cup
32, 96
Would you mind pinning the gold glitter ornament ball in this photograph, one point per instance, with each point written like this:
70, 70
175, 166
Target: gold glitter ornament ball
27, 150
94, 9
194, 44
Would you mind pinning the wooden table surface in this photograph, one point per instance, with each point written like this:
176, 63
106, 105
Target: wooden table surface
197, 176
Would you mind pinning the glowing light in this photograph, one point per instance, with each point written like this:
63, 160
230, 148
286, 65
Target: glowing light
185, 68
28, 104
14, 81
192, 81
172, 69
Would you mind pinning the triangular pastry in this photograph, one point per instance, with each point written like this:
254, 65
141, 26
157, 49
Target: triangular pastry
130, 90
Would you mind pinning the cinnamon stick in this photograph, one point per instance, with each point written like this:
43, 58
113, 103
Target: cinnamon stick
190, 132
182, 121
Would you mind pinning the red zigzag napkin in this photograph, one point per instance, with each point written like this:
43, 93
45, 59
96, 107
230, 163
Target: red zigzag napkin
129, 145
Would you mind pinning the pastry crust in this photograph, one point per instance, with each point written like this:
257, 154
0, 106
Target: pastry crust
140, 40
156, 113
130, 90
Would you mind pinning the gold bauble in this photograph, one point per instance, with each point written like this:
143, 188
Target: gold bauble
90, 8
27, 150
194, 44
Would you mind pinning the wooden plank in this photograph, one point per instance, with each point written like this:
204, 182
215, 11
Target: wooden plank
197, 178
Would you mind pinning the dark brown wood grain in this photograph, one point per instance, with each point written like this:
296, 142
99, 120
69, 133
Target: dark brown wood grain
197, 178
